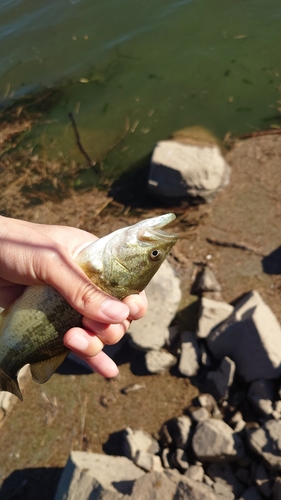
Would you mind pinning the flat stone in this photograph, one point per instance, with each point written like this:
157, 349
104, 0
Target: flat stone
211, 314
215, 441
206, 281
187, 171
164, 295
93, 474
190, 355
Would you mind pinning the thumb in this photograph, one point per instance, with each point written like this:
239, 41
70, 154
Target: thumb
67, 277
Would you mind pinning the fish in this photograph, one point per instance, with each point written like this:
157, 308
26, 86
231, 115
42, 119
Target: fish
32, 328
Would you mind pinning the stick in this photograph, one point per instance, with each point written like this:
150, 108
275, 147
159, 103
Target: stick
78, 142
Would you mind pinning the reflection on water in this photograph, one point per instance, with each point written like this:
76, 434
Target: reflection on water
161, 64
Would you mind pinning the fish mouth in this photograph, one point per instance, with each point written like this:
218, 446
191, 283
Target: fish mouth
153, 229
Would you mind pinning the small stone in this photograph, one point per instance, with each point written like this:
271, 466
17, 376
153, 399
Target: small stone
159, 361
179, 459
176, 432
218, 381
196, 473
190, 355
236, 422
138, 440
208, 401
199, 414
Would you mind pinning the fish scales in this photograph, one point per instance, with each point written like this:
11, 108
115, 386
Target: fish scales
32, 328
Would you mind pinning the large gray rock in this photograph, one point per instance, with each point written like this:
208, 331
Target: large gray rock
187, 171
163, 294
266, 442
154, 485
215, 441
92, 475
251, 337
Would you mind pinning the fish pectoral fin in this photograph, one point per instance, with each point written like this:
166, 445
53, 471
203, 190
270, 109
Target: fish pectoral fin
41, 372
9, 384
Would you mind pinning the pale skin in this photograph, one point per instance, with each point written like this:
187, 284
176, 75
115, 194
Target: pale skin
32, 254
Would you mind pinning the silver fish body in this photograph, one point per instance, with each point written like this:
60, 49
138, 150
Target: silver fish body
32, 329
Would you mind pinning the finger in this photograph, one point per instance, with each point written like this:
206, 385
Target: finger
107, 333
137, 304
102, 364
83, 342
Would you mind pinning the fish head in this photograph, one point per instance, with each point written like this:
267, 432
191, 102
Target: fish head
135, 253
124, 261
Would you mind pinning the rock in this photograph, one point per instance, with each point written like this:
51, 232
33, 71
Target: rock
266, 442
179, 459
218, 381
261, 396
208, 401
243, 475
263, 482
193, 490
277, 489
223, 474
187, 171
199, 414
251, 493
195, 472
159, 361
236, 422
223, 492
211, 314
154, 485
163, 294
147, 462
94, 475
206, 281
253, 342
176, 432
215, 441
138, 440
190, 355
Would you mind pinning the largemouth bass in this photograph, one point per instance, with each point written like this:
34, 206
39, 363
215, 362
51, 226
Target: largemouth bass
32, 328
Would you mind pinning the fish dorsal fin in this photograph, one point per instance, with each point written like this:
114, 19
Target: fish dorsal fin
9, 384
41, 372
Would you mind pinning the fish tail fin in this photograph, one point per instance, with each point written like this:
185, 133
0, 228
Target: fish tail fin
9, 384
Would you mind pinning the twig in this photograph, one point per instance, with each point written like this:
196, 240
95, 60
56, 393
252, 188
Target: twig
233, 244
78, 142
259, 133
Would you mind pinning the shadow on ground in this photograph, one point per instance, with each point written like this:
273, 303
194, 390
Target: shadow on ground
31, 484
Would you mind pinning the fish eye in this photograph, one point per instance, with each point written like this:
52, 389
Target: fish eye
155, 254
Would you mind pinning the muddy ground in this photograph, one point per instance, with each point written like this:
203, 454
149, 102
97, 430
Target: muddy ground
238, 235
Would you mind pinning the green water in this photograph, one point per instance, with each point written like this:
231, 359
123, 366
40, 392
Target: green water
132, 72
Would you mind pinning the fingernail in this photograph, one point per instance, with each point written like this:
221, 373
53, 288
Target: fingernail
78, 342
115, 310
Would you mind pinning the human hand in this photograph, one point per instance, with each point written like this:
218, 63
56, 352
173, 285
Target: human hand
32, 254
